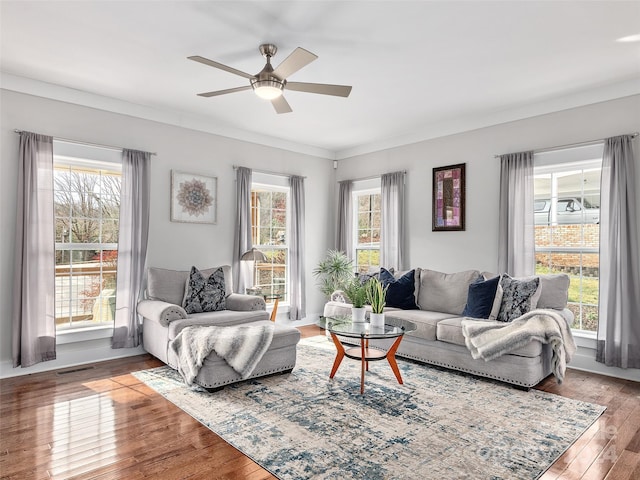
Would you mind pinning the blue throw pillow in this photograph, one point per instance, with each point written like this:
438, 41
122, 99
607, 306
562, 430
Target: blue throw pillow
401, 291
480, 297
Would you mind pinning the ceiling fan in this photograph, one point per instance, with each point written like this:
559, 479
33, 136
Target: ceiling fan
269, 83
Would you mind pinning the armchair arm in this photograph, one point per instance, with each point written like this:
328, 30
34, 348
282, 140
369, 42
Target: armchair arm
161, 312
245, 303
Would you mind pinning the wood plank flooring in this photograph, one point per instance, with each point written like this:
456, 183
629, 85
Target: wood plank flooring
102, 423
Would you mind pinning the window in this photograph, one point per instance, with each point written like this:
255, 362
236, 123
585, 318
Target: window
567, 225
86, 208
269, 234
367, 229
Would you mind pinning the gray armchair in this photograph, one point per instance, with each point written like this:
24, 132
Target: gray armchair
164, 318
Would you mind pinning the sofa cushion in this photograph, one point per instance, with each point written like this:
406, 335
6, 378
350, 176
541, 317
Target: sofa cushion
400, 291
168, 285
445, 292
204, 293
518, 297
425, 321
481, 298
450, 331
221, 318
554, 291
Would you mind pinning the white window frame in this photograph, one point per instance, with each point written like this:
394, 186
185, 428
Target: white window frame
556, 162
85, 156
277, 184
360, 189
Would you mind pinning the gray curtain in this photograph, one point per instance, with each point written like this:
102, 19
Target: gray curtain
618, 342
297, 301
133, 237
392, 221
242, 237
344, 233
34, 324
516, 234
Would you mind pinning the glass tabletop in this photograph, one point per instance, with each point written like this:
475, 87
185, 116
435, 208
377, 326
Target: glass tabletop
343, 325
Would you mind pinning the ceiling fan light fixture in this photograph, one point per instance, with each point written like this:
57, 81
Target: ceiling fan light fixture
267, 89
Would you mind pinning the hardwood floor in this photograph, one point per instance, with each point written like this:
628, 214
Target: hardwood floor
100, 422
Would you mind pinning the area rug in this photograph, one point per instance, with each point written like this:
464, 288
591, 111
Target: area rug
438, 425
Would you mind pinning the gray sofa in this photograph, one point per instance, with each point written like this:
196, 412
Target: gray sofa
164, 318
439, 340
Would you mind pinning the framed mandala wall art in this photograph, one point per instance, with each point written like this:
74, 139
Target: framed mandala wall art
193, 198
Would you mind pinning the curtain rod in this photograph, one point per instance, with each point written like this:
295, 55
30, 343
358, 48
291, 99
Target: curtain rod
88, 144
370, 178
267, 172
571, 145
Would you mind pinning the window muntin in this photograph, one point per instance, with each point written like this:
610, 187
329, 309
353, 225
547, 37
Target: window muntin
567, 232
367, 213
269, 232
86, 209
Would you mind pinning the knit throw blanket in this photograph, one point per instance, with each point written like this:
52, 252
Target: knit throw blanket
240, 346
489, 340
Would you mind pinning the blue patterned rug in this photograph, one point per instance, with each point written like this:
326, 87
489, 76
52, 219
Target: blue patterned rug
438, 425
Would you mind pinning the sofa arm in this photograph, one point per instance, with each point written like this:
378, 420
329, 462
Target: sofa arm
339, 296
161, 312
240, 302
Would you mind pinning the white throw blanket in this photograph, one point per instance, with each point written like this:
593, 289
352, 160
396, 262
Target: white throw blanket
489, 340
241, 346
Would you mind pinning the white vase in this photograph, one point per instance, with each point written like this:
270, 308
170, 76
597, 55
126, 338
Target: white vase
377, 320
357, 314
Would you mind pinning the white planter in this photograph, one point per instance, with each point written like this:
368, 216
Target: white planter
357, 314
377, 320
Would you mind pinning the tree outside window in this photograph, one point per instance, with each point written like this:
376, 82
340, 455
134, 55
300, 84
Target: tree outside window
367, 244
269, 222
87, 205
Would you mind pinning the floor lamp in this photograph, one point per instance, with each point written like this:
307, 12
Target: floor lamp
254, 255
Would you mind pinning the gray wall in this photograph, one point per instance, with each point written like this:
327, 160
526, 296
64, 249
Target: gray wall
171, 245
175, 245
477, 246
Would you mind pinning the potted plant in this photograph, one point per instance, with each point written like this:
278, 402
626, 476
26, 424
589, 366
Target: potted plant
357, 293
376, 296
334, 272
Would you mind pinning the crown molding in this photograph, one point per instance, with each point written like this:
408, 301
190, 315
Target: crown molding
425, 132
441, 129
52, 91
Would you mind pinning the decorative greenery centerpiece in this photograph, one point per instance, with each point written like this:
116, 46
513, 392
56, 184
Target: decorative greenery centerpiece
334, 272
356, 291
376, 296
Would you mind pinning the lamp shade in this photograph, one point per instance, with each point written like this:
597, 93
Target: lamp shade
253, 255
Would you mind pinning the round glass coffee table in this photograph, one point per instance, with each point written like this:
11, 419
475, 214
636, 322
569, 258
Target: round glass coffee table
344, 327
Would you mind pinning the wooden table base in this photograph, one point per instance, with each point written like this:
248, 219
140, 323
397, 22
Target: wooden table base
365, 355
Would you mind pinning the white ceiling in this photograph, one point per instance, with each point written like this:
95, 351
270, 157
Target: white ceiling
418, 69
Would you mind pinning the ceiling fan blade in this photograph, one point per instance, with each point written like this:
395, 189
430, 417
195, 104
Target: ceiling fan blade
294, 62
211, 63
281, 105
321, 88
224, 92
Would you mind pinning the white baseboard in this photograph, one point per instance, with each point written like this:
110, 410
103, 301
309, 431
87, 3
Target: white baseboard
585, 360
71, 355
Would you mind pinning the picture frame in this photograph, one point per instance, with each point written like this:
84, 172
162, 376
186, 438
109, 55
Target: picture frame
449, 184
194, 198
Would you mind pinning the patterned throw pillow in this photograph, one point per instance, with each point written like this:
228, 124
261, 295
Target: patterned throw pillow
517, 296
204, 294
365, 277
